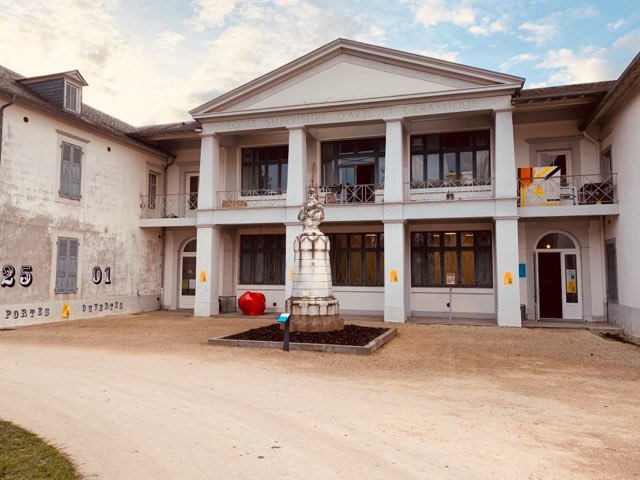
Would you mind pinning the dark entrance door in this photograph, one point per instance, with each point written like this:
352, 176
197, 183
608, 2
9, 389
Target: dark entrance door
549, 284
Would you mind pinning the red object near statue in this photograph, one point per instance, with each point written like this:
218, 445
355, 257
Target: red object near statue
252, 303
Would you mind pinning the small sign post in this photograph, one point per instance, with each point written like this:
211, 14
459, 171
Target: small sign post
451, 281
284, 318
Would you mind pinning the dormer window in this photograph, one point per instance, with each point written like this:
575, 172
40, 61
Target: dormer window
72, 97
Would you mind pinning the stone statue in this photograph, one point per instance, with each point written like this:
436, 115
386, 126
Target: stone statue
312, 211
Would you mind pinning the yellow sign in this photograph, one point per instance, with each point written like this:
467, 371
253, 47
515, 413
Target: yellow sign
571, 286
203, 276
291, 274
507, 278
393, 276
66, 310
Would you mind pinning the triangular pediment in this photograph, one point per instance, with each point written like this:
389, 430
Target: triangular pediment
345, 71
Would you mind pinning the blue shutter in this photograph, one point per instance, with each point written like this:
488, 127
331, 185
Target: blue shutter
61, 267
72, 265
65, 169
76, 166
70, 170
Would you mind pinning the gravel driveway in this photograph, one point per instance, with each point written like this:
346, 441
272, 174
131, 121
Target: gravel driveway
144, 397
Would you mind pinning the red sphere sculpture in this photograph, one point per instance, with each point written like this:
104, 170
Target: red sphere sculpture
252, 303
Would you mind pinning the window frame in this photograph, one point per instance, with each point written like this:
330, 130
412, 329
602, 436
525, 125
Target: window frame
253, 158
423, 252
331, 154
76, 153
424, 151
68, 98
253, 253
67, 266
362, 250
152, 198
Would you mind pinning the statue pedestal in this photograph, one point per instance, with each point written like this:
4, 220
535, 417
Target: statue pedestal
312, 306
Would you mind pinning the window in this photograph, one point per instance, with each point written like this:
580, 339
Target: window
70, 170
465, 254
264, 170
612, 270
357, 259
67, 265
606, 163
460, 158
152, 191
262, 259
71, 97
354, 162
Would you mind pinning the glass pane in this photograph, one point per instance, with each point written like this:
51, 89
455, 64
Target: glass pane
418, 269
433, 239
466, 166
467, 269
380, 178
355, 240
417, 239
450, 239
272, 180
193, 184
355, 268
271, 242
370, 240
259, 268
483, 164
370, 268
341, 240
483, 239
188, 286
485, 270
555, 240
416, 144
417, 168
284, 171
258, 241
191, 246
246, 242
451, 264
272, 267
466, 239
434, 268
571, 278
341, 268
433, 167
433, 142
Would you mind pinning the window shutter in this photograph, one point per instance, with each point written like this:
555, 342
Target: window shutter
76, 166
65, 170
61, 267
72, 265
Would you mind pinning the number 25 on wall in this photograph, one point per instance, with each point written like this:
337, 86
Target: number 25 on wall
96, 275
8, 274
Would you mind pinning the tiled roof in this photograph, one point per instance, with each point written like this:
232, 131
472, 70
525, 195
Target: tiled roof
166, 129
563, 91
89, 116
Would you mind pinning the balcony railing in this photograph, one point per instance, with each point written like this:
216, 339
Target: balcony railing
449, 189
351, 194
252, 198
567, 190
168, 206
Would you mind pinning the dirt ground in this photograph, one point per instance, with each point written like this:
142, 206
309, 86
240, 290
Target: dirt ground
145, 397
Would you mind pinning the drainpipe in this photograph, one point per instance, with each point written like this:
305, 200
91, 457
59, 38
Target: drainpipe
11, 102
171, 159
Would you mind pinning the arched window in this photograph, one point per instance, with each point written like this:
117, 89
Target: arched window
556, 241
191, 246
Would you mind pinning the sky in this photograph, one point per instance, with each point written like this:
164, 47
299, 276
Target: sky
149, 62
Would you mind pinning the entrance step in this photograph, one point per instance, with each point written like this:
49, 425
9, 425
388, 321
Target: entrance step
599, 327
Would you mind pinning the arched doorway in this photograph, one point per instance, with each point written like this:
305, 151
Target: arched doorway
559, 292
187, 293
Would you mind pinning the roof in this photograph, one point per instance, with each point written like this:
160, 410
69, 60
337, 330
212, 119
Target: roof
627, 81
166, 129
10, 83
562, 92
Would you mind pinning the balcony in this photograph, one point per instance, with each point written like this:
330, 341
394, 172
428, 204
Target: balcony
252, 198
449, 189
182, 205
567, 190
351, 194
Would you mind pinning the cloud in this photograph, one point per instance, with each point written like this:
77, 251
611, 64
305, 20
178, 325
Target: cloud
441, 53
548, 29
210, 13
586, 65
170, 40
521, 57
617, 24
487, 26
629, 41
432, 12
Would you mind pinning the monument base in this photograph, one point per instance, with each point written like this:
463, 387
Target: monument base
314, 314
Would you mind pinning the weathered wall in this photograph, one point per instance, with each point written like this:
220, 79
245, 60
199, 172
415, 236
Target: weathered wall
105, 220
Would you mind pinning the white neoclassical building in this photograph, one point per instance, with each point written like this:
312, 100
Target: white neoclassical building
438, 179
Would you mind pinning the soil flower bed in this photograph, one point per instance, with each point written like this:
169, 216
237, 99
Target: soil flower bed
350, 335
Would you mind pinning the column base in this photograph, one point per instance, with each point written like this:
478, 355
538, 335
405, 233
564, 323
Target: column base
508, 318
395, 315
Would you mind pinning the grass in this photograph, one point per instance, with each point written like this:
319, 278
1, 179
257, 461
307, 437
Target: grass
24, 455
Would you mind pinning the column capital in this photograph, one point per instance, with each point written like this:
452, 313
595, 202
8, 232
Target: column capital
209, 135
395, 119
297, 127
503, 110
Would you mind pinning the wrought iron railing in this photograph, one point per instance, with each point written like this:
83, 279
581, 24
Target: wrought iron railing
351, 194
449, 189
252, 198
567, 190
168, 206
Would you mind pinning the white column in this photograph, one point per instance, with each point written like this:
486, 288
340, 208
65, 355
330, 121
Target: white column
393, 163
396, 272
506, 278
293, 230
504, 155
209, 172
170, 259
207, 271
297, 168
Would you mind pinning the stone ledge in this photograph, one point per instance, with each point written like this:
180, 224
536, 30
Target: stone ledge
368, 349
